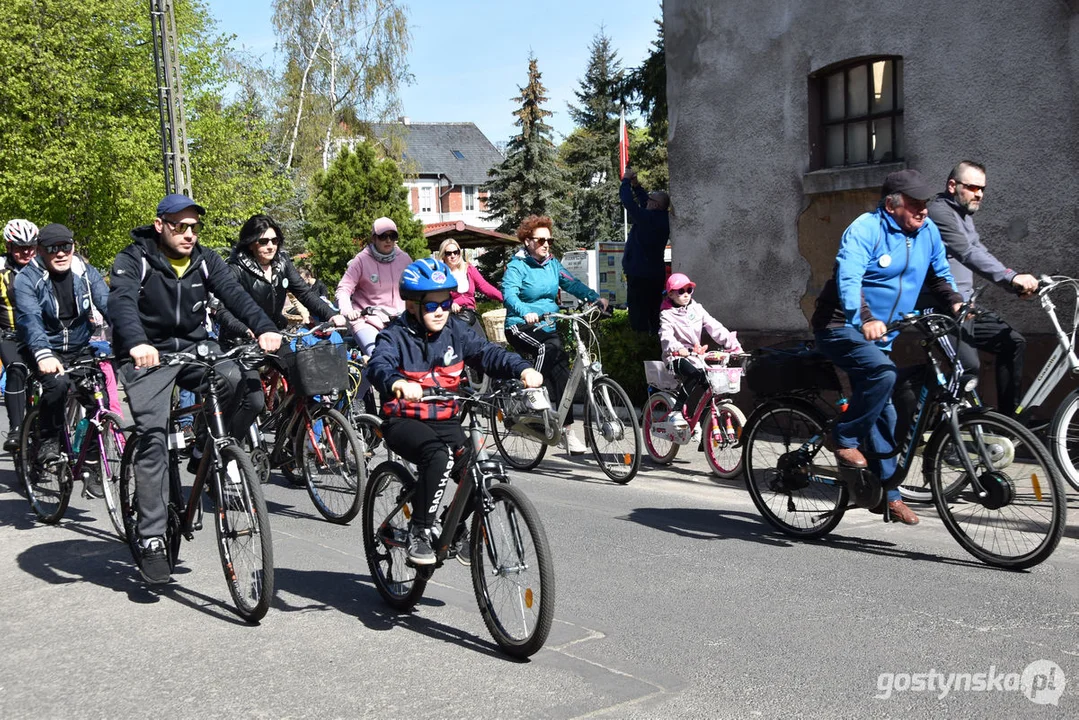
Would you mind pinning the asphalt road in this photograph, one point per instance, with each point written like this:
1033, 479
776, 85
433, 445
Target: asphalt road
673, 600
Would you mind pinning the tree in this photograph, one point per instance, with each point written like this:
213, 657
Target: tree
591, 152
647, 86
344, 59
528, 181
347, 198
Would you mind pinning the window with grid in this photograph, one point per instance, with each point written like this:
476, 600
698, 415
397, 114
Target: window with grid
469, 192
856, 113
427, 199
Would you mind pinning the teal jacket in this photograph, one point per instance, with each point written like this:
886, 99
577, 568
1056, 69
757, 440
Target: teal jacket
529, 287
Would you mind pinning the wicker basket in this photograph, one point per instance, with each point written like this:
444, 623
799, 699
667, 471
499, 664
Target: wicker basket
494, 325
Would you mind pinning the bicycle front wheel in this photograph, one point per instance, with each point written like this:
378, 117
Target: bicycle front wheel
330, 457
611, 430
48, 485
1064, 438
387, 509
1011, 514
512, 572
243, 533
795, 486
111, 445
520, 451
722, 437
660, 447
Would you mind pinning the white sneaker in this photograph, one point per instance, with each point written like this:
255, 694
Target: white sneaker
678, 420
572, 443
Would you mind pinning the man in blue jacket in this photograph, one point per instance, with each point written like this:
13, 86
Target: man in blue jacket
885, 257
642, 261
55, 295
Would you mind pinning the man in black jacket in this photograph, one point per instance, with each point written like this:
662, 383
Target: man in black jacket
953, 212
160, 286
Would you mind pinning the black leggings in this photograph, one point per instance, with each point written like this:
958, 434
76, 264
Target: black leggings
549, 358
694, 381
15, 390
428, 444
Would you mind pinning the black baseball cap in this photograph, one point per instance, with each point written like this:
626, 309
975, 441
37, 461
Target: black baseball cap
176, 202
908, 182
54, 234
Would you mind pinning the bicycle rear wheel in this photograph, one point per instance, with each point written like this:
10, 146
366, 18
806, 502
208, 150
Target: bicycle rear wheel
243, 533
724, 453
611, 430
111, 446
520, 451
660, 448
331, 459
48, 486
1064, 438
796, 491
512, 572
1013, 516
387, 509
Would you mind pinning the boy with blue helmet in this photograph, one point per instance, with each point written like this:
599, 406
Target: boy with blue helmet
423, 348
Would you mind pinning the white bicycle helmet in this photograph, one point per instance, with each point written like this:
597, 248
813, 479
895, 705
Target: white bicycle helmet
20, 232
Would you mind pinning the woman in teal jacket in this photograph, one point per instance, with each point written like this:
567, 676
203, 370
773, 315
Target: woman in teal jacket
530, 288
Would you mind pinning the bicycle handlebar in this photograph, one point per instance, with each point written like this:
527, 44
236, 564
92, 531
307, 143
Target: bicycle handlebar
203, 355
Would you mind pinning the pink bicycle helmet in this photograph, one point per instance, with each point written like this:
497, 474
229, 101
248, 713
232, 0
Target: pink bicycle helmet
677, 281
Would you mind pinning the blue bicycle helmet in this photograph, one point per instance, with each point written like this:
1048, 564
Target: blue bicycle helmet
424, 276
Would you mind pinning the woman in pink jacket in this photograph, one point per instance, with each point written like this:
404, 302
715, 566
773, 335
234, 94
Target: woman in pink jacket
371, 281
468, 279
681, 324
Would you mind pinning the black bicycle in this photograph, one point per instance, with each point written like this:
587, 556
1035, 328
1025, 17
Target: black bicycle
994, 484
512, 571
239, 509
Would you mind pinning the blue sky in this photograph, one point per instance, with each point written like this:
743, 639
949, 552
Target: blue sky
469, 56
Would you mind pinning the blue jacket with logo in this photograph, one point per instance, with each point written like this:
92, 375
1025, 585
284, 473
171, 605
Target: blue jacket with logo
531, 287
37, 311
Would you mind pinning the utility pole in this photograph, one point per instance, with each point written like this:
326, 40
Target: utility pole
170, 98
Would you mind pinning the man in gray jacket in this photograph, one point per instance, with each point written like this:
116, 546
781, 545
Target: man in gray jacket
952, 211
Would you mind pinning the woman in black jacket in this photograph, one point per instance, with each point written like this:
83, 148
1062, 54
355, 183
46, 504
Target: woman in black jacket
269, 276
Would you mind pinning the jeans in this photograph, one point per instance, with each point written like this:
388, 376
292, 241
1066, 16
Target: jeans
870, 415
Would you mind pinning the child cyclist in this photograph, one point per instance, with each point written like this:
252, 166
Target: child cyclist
423, 348
681, 321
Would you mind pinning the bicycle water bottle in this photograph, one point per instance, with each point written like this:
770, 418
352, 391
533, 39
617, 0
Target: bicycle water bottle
80, 433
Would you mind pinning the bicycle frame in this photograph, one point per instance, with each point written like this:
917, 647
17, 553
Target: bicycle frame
1062, 361
93, 435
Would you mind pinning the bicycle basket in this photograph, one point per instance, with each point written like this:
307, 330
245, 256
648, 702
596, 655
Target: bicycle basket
775, 372
658, 376
320, 369
725, 380
494, 322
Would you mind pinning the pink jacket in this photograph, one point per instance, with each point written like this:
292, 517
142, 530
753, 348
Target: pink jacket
370, 283
680, 328
476, 282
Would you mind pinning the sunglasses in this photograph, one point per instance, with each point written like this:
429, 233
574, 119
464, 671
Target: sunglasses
181, 228
388, 236
452, 253
973, 188
58, 248
687, 290
430, 307
263, 242
541, 240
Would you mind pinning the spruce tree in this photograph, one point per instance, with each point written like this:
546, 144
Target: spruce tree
590, 153
528, 181
647, 85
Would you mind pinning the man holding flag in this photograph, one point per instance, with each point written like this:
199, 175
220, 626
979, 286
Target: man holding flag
642, 261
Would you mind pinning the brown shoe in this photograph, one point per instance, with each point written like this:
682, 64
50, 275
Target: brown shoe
902, 513
851, 457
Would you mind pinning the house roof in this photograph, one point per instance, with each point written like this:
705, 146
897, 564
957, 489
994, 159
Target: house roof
467, 236
460, 151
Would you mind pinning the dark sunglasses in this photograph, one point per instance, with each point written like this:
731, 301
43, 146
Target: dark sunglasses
388, 236
687, 290
973, 188
541, 240
263, 242
181, 228
58, 248
452, 253
430, 307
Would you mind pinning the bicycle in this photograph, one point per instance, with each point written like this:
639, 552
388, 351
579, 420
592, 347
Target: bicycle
241, 520
610, 420
511, 565
994, 484
314, 444
1063, 429
715, 419
89, 444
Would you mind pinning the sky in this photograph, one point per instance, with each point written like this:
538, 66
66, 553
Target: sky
470, 57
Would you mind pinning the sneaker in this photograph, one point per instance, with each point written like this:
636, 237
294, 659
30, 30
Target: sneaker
154, 561
91, 483
49, 450
678, 420
11, 445
419, 547
572, 443
462, 547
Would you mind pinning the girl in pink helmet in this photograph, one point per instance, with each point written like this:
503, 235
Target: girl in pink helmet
681, 322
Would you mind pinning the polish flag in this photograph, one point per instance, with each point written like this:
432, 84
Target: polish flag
623, 145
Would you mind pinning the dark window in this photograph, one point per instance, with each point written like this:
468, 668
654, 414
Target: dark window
457, 154
856, 113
